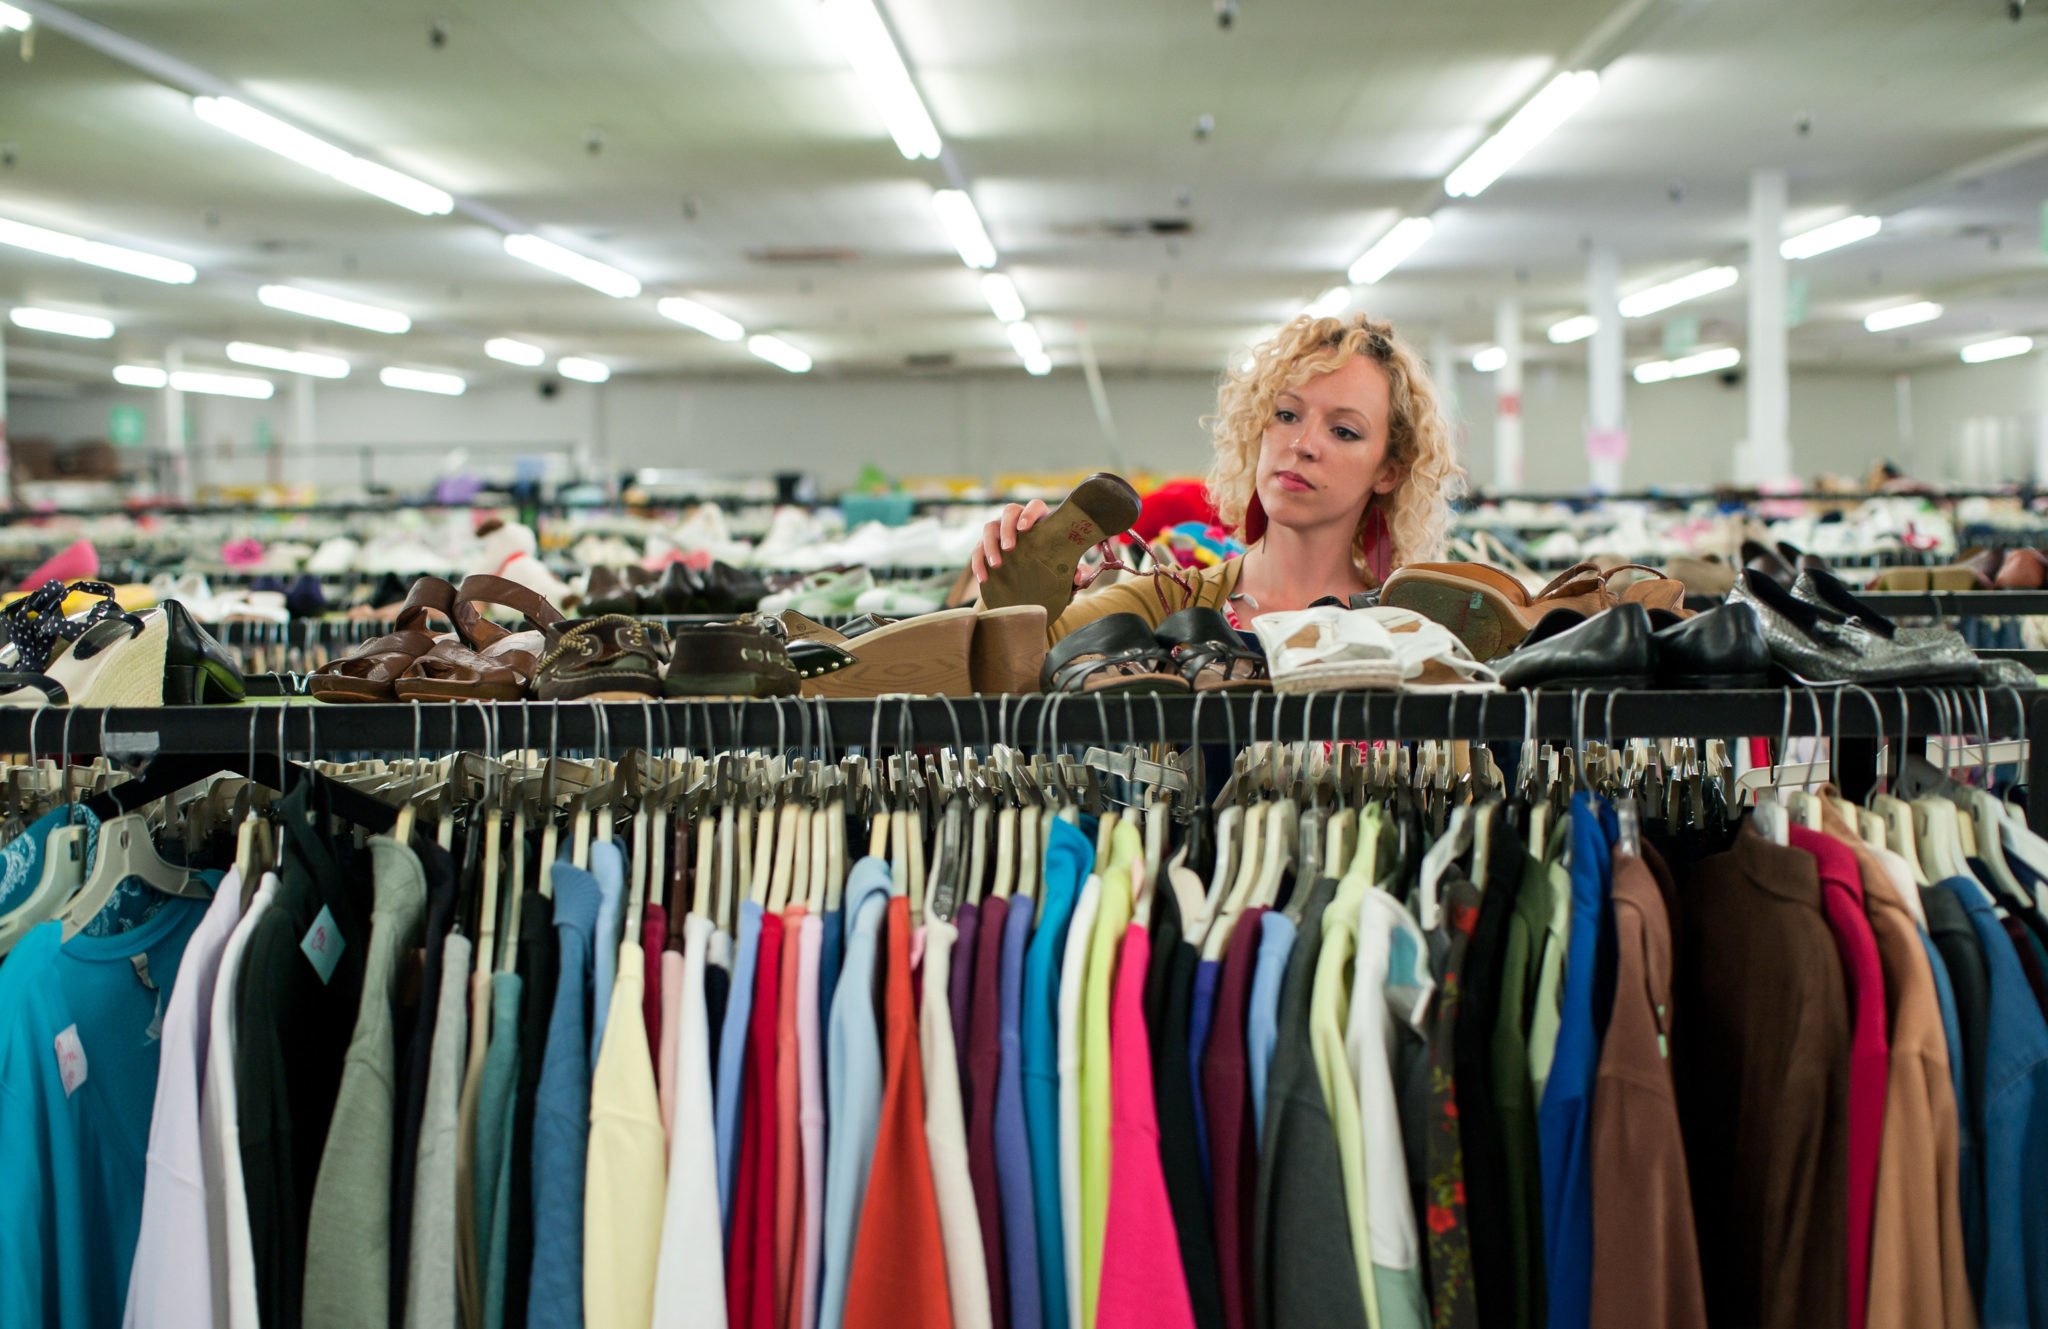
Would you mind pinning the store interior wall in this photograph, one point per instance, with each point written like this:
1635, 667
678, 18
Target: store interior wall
1975, 424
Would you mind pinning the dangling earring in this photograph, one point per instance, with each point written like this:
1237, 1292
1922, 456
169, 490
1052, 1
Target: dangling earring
1375, 539
1253, 528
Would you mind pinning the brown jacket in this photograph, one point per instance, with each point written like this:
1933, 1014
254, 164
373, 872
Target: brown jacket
1760, 1054
1917, 1276
1646, 1264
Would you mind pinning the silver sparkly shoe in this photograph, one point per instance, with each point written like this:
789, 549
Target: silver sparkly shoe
1821, 647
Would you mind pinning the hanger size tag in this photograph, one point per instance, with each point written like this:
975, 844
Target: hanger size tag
70, 1060
323, 945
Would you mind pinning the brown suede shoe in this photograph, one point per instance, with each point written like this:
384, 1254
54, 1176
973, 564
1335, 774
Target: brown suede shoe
609, 658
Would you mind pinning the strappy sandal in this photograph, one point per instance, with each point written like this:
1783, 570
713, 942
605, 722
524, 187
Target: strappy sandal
1210, 654
487, 662
370, 672
1116, 653
40, 630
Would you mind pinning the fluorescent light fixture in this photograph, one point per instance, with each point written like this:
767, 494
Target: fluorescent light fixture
963, 227
223, 385
1330, 303
79, 250
1834, 235
582, 370
1677, 291
1025, 338
1576, 328
422, 380
267, 131
141, 376
1490, 360
15, 20
865, 41
707, 321
523, 354
1999, 348
1701, 362
291, 362
568, 263
1390, 249
779, 353
1038, 366
312, 304
61, 323
1524, 130
1902, 316
1002, 297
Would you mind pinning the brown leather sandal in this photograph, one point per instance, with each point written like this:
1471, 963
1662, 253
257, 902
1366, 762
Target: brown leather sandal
371, 671
488, 662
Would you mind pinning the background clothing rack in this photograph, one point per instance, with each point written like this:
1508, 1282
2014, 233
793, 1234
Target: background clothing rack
1028, 722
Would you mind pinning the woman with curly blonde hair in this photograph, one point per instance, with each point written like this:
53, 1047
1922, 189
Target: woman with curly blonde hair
1333, 458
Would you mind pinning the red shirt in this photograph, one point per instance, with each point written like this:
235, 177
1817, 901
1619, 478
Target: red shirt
1841, 899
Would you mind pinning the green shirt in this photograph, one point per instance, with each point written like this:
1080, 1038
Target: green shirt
1113, 915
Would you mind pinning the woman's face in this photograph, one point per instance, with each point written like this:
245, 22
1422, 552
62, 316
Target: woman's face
1324, 452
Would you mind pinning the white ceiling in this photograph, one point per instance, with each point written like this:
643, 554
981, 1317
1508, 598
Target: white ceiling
733, 132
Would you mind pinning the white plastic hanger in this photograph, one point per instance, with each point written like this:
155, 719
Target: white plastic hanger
126, 850
1449, 847
1248, 860
1010, 826
63, 874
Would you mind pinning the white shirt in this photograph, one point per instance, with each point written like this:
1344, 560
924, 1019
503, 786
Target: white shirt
1073, 970
945, 1131
689, 1281
174, 1252
231, 1253
1377, 1004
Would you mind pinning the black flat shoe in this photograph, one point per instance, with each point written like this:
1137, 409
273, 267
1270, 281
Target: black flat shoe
1611, 649
1722, 648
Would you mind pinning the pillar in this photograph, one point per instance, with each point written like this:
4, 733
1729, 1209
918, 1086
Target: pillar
6, 460
304, 435
1443, 367
1769, 452
1507, 398
174, 430
1606, 401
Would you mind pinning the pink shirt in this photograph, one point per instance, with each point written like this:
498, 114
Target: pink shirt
789, 1179
1143, 1286
810, 1116
1841, 900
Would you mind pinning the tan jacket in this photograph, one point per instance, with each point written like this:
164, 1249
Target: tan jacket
1917, 1276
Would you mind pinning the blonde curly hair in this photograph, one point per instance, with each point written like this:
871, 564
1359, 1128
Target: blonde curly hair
1418, 437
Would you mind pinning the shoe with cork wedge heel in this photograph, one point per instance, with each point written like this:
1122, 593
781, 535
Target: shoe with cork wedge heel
1040, 570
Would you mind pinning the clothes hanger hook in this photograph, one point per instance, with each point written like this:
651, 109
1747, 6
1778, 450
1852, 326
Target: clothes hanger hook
1834, 757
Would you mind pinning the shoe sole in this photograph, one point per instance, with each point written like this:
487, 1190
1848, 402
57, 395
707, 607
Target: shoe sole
927, 655
1009, 650
1040, 570
1480, 620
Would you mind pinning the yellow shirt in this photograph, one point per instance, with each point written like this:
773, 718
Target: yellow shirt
627, 1185
1127, 846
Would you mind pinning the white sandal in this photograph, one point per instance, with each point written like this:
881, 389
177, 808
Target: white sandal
1328, 647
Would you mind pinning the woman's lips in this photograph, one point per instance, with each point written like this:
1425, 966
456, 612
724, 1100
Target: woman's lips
1292, 480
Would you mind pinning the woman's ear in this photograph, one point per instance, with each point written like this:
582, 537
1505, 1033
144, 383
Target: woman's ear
1390, 477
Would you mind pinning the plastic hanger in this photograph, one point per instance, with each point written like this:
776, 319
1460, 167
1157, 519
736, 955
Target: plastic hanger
487, 913
761, 877
835, 849
1104, 828
783, 867
979, 864
1034, 826
1012, 825
63, 875
1218, 936
915, 840
1456, 839
126, 850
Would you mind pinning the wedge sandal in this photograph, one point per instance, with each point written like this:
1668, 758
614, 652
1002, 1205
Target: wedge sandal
1040, 570
1485, 608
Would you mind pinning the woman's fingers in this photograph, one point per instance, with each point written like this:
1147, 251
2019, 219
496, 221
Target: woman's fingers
1001, 534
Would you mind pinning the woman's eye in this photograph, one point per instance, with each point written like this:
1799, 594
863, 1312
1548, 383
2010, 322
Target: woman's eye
1348, 435
1285, 417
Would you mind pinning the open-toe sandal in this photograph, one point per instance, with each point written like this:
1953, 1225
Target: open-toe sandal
1210, 654
1486, 608
1040, 570
371, 671
1116, 653
486, 662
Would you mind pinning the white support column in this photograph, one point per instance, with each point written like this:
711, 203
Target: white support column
2040, 415
1443, 367
1606, 403
6, 458
1768, 455
174, 429
305, 435
1507, 398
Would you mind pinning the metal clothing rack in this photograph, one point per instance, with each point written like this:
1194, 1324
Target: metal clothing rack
1856, 720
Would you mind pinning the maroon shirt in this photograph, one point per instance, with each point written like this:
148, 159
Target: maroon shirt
653, 935
1227, 1100
985, 1060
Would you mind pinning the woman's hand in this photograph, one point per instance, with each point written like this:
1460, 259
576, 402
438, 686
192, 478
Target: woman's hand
1001, 535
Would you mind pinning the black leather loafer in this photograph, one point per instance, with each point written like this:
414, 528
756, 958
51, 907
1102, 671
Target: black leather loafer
1609, 650
1722, 648
197, 668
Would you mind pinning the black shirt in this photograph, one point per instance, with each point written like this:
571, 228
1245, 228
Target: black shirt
1481, 1133
292, 1030
539, 961
1169, 1004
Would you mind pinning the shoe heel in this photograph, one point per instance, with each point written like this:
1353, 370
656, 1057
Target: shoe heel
195, 685
926, 655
